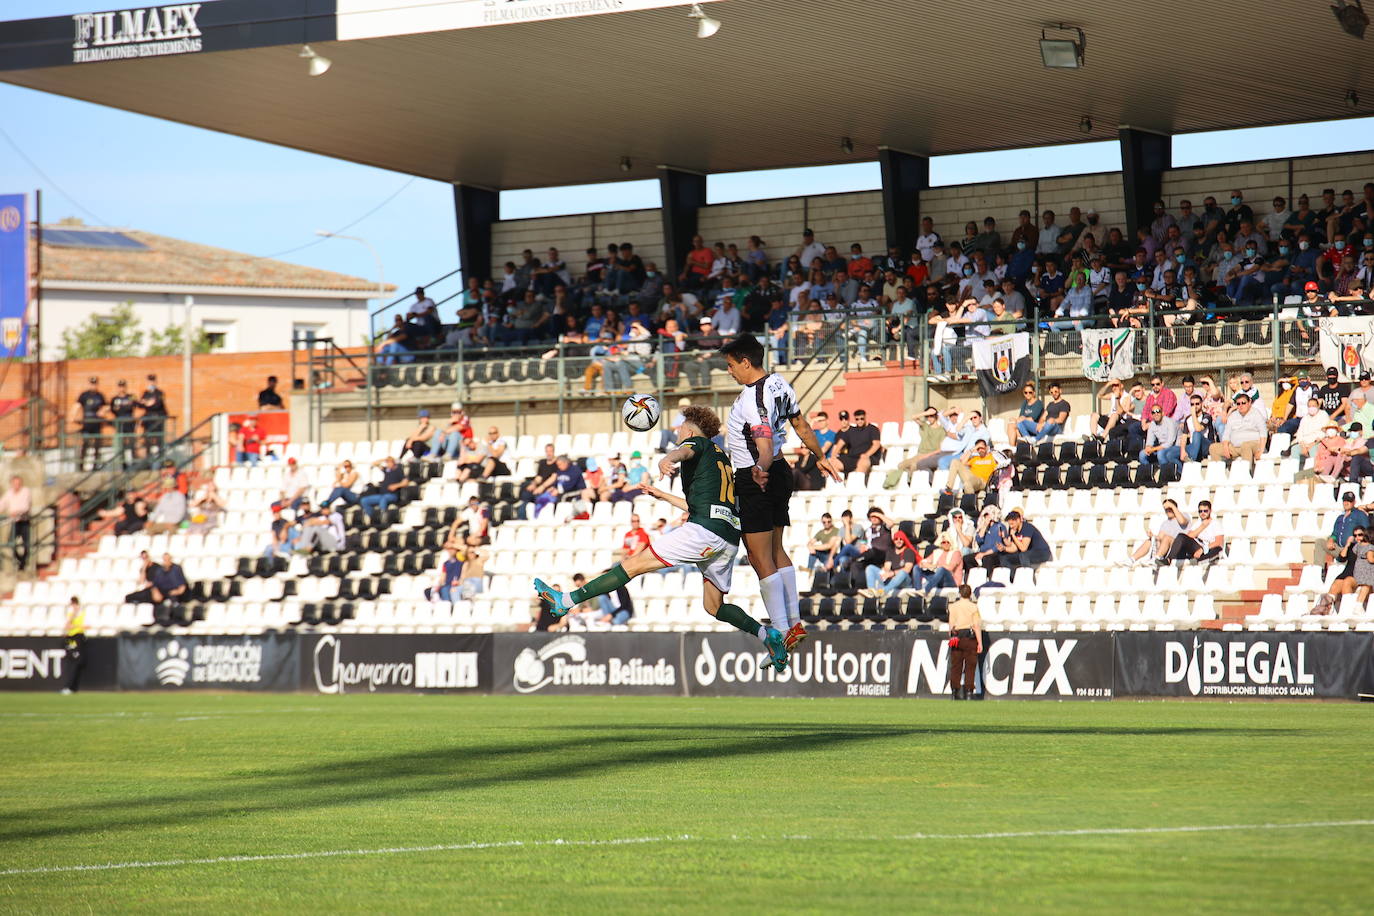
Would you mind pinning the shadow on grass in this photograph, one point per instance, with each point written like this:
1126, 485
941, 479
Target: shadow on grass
469, 767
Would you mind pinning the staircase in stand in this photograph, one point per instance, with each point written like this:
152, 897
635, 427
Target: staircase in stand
880, 391
1248, 602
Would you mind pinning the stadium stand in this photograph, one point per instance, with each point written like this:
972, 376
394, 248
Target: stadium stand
377, 583
1093, 499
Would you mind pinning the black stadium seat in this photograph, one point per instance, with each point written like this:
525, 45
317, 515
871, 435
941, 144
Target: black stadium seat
1051, 479
1145, 475
1097, 476
1068, 453
1044, 453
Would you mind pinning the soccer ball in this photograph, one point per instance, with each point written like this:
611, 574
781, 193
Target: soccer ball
640, 412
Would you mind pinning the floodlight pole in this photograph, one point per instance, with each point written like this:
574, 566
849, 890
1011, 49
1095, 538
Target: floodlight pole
187, 346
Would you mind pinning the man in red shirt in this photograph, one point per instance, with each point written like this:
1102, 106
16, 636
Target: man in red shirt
1160, 397
698, 265
252, 441
636, 539
859, 263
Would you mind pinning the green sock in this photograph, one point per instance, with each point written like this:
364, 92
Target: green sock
734, 615
603, 584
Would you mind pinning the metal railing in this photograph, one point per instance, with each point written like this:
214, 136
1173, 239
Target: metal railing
838, 340
66, 521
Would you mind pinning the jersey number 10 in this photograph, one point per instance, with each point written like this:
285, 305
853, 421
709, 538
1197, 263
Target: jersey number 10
727, 484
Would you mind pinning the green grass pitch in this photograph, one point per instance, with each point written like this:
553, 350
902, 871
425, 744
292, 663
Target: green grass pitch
741, 805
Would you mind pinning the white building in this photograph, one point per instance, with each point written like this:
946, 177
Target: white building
245, 303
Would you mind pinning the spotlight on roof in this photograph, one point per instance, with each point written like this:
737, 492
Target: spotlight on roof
625, 163
847, 144
1086, 125
1352, 17
319, 64
1061, 53
1352, 99
706, 26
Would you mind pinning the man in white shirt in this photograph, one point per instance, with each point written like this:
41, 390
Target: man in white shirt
726, 321
1049, 234
863, 320
810, 249
928, 239
295, 484
16, 505
422, 302
1201, 543
1246, 433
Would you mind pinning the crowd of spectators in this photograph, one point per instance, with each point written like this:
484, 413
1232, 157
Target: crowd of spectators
1062, 271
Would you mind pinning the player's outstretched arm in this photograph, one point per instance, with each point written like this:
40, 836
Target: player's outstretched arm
671, 498
829, 466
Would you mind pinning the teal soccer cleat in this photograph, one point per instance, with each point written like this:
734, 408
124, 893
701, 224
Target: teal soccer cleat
556, 598
774, 641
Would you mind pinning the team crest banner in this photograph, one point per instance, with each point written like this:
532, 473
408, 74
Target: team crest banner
14, 275
1347, 345
1002, 363
1108, 353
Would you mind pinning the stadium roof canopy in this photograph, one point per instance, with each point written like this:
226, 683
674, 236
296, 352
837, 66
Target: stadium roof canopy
530, 93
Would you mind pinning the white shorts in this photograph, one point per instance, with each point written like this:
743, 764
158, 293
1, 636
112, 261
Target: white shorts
693, 545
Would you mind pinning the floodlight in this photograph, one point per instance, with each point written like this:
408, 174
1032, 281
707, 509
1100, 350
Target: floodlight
1062, 53
319, 64
706, 26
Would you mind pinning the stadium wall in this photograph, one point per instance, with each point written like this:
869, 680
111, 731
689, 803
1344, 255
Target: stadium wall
571, 235
878, 663
841, 219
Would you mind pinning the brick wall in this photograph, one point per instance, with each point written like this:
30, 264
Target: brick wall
220, 381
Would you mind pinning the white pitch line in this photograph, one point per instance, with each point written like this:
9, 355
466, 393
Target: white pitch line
681, 838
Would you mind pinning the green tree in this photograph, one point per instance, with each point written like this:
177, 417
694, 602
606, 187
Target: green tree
171, 342
119, 335
102, 336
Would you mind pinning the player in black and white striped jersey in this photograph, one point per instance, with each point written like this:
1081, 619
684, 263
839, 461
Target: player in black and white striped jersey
754, 434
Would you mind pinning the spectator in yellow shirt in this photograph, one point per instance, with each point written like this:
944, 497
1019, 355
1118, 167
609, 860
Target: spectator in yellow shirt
975, 471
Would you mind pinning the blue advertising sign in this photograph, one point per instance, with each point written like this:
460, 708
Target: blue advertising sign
14, 276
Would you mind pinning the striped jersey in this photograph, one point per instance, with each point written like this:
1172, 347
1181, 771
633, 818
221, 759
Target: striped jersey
770, 401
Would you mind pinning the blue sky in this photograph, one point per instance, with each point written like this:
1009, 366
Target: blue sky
262, 199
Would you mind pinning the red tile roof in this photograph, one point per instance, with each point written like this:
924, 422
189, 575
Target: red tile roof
175, 262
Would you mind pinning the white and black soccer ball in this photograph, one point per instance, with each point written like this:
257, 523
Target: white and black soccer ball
641, 412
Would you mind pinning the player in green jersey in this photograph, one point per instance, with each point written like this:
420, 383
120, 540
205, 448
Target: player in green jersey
709, 540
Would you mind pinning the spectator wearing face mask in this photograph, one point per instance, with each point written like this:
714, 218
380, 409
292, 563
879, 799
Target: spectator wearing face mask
1311, 427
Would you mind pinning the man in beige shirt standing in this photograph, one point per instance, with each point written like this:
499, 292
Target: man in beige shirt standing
966, 643
17, 505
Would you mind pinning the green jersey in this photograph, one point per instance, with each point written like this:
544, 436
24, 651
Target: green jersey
709, 488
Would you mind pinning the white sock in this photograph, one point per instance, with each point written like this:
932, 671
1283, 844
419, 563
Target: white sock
775, 600
789, 585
